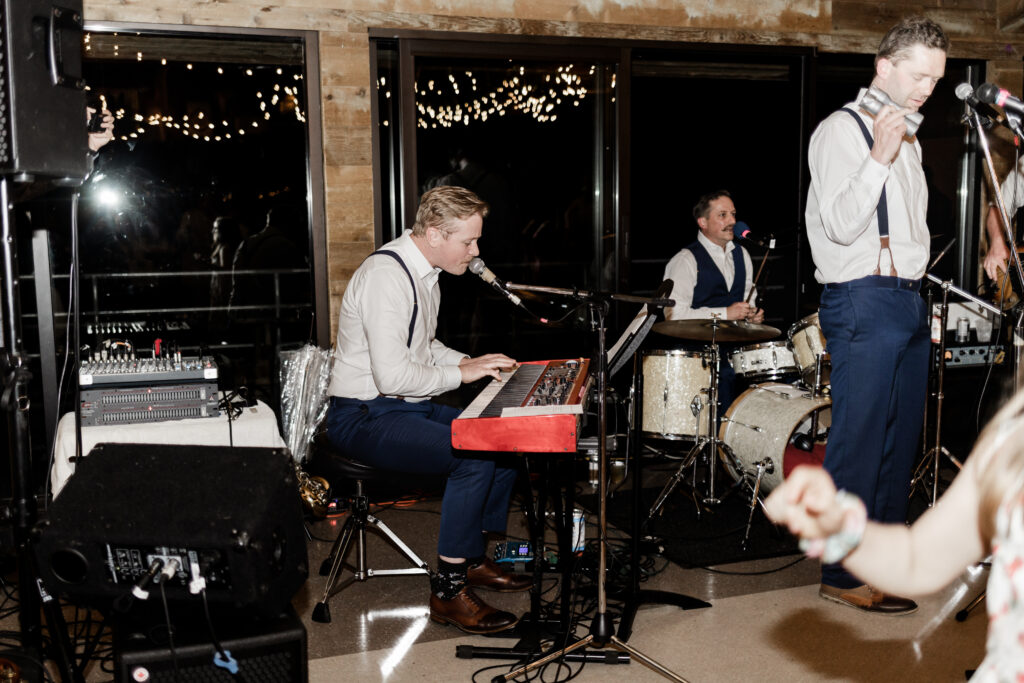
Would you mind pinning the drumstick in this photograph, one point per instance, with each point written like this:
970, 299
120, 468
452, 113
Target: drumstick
760, 269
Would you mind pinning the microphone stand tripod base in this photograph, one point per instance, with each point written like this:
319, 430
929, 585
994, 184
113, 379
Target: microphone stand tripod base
612, 641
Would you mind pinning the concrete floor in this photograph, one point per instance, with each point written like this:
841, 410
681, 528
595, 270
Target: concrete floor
766, 623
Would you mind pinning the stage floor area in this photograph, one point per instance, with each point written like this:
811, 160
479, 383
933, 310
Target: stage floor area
763, 625
766, 622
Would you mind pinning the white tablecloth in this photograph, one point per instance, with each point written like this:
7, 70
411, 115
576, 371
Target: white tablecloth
256, 426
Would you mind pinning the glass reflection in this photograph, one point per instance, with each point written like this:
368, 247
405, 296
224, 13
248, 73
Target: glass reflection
521, 135
194, 226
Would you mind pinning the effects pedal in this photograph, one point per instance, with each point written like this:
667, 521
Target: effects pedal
513, 551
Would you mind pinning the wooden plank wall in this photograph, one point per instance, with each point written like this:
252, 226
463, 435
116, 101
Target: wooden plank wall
832, 25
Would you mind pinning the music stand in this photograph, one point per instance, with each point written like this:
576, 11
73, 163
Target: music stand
602, 633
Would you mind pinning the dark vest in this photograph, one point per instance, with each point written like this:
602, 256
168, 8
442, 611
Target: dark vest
710, 290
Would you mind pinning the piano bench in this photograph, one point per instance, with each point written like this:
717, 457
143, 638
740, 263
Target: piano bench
328, 462
342, 472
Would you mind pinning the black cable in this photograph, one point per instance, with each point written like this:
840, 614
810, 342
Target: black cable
232, 409
209, 625
797, 561
60, 390
224, 655
170, 629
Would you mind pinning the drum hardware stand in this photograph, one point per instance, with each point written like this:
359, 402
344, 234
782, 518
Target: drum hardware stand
931, 459
602, 632
765, 466
819, 371
703, 442
638, 597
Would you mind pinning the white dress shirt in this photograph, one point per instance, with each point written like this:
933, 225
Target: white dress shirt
682, 270
846, 183
372, 358
1012, 190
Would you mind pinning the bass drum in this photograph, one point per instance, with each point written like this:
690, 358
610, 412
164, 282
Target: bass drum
760, 424
673, 380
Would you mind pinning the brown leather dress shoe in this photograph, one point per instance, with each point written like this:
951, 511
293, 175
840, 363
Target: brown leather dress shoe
489, 575
471, 614
868, 599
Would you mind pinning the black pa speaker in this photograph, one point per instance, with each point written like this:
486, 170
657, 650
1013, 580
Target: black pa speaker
42, 99
266, 651
229, 519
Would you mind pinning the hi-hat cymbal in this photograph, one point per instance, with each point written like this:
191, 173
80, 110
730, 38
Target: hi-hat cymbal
724, 330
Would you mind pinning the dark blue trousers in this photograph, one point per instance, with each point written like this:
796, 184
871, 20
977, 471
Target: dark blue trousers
402, 436
876, 330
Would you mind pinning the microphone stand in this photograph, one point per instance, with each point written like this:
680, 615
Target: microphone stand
932, 457
602, 632
1018, 324
23, 510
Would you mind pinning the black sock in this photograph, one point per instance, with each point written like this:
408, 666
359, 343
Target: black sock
449, 579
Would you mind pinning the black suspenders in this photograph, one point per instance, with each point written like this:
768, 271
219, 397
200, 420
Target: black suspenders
415, 299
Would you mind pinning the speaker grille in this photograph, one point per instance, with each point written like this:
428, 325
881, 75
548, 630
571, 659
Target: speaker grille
267, 651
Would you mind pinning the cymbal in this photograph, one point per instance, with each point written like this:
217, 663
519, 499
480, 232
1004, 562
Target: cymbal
727, 330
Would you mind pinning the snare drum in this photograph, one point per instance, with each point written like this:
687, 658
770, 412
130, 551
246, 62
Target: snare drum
760, 424
768, 361
673, 380
808, 342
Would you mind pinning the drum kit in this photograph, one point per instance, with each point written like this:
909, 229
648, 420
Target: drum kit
771, 426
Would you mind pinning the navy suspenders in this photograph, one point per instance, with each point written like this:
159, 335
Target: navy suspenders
882, 209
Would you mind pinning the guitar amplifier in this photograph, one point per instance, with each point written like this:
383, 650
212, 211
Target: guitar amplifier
971, 355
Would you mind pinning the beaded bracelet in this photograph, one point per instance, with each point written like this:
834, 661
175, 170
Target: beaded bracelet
836, 547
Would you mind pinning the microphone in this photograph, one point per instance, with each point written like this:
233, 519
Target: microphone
965, 92
742, 231
991, 116
993, 94
477, 267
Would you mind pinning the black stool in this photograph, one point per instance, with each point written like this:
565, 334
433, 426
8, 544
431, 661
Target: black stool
333, 464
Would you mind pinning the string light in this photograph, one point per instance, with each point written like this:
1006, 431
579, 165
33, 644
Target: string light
534, 94
280, 99
283, 99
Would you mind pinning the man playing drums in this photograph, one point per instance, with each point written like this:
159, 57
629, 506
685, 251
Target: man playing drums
713, 277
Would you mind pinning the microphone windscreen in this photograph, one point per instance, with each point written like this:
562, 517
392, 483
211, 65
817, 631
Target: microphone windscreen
964, 91
741, 229
987, 92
